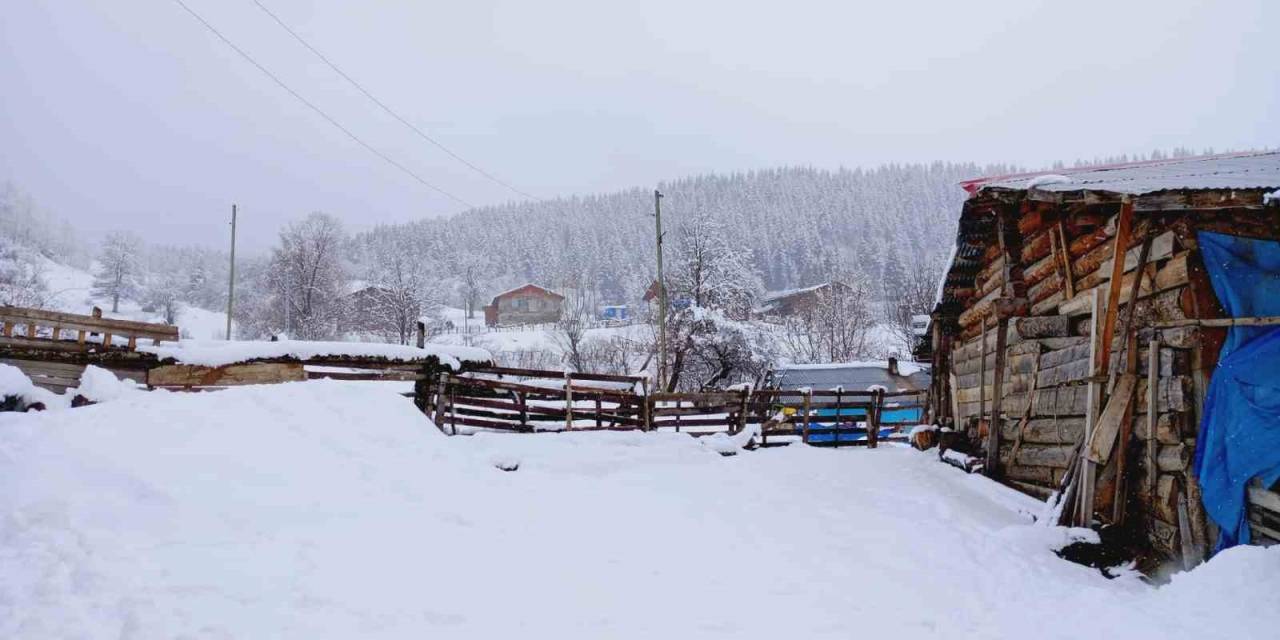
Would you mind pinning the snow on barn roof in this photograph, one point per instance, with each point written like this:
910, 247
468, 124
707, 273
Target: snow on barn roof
1252, 170
1258, 170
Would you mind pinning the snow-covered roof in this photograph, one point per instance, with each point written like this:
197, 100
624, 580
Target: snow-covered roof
1253, 170
771, 296
851, 376
527, 285
216, 353
906, 368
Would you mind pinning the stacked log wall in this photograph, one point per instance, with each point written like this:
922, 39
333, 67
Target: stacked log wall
1045, 376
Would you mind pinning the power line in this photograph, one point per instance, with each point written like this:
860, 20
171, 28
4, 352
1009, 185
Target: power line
313, 107
384, 107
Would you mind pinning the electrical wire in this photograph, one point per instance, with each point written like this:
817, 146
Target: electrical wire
318, 110
422, 134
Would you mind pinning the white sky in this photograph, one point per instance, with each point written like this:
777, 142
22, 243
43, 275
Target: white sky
129, 114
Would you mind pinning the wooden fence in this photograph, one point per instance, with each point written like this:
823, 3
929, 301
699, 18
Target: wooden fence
525, 400
52, 348
23, 327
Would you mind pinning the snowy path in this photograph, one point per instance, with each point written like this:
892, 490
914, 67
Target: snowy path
322, 509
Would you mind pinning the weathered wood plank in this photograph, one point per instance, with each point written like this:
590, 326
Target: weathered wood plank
185, 375
1103, 438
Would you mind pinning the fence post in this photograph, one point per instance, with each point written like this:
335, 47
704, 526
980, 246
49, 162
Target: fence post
568, 401
873, 419
808, 400
599, 409
441, 401
742, 417
644, 407
764, 422
835, 424
523, 399
422, 392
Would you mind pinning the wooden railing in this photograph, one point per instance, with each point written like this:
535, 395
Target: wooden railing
523, 400
526, 400
41, 329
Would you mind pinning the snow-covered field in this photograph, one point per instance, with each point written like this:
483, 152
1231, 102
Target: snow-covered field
335, 510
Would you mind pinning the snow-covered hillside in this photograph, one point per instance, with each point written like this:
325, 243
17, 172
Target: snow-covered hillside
336, 510
71, 291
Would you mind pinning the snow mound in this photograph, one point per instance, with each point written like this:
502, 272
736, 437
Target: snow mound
216, 353
726, 444
15, 383
99, 385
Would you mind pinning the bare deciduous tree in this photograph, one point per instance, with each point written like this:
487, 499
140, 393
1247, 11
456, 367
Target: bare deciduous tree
571, 331
401, 289
915, 296
834, 328
307, 280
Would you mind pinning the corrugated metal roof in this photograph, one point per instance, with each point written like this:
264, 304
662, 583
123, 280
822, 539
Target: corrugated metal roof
1259, 170
852, 377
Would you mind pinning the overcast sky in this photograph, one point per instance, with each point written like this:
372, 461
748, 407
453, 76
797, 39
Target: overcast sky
130, 114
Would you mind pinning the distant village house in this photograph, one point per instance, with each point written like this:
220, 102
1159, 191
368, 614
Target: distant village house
790, 302
527, 304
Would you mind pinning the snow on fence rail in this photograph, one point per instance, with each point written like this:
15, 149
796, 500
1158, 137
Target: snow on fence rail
526, 400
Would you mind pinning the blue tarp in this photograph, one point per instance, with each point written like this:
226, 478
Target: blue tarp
1240, 431
849, 429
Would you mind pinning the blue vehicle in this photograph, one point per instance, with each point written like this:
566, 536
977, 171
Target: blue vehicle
615, 312
849, 424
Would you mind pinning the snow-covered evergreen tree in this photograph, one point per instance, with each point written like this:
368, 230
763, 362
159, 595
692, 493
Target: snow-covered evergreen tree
22, 283
118, 270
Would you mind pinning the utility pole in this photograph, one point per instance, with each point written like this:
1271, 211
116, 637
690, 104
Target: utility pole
662, 296
231, 285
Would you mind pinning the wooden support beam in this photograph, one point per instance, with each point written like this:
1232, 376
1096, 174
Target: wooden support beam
1153, 417
1087, 468
1257, 321
1124, 231
992, 468
1064, 261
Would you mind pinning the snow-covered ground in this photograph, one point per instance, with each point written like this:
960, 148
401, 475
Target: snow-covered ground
336, 510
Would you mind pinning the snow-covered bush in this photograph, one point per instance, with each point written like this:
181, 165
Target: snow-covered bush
22, 283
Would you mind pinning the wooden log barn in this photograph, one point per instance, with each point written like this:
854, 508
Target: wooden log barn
1077, 333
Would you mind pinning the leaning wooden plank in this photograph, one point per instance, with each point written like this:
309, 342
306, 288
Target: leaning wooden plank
1106, 430
184, 375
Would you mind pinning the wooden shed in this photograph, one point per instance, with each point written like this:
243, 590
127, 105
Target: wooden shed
1078, 328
